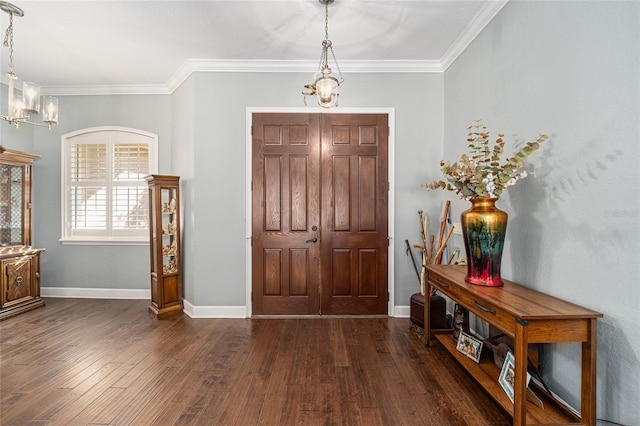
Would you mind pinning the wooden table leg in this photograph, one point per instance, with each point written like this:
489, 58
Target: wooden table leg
588, 397
520, 371
427, 315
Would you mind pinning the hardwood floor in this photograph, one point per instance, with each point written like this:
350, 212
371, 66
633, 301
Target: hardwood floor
99, 362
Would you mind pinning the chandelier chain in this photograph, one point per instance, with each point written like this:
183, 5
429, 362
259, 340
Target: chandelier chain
326, 21
8, 42
337, 65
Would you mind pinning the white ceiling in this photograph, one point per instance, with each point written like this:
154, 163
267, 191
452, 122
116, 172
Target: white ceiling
68, 46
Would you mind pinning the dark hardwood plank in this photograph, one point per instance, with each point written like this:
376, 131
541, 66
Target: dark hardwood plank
110, 362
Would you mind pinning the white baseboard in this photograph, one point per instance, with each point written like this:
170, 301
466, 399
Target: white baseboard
95, 293
214, 311
191, 310
402, 311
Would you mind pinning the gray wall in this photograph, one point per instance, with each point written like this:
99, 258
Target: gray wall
217, 231
182, 159
572, 70
80, 266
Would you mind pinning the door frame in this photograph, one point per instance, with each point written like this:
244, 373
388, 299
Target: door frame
391, 177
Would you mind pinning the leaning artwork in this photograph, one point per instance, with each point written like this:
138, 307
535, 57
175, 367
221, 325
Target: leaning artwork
469, 346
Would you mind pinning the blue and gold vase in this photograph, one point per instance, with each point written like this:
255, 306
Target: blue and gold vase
483, 229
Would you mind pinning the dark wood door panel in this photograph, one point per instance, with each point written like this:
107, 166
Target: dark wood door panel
354, 214
285, 209
319, 218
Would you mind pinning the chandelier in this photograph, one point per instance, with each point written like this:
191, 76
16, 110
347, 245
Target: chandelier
326, 82
21, 110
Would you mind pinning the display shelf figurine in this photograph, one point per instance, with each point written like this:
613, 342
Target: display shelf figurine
169, 229
499, 351
458, 322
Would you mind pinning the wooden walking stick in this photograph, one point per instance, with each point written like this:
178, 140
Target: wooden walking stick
455, 251
444, 244
443, 224
431, 248
424, 221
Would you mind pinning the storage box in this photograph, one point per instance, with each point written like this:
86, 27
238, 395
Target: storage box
438, 313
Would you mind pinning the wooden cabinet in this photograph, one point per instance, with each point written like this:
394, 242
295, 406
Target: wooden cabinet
528, 317
19, 262
164, 242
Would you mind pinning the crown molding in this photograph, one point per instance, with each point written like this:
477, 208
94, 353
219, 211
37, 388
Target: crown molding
486, 14
190, 66
129, 89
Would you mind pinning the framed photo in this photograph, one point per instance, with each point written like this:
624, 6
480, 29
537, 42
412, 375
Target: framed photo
507, 375
470, 346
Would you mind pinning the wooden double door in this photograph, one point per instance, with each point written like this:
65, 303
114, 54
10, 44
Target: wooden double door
320, 208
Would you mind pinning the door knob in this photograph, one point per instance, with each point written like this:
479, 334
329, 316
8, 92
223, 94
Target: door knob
313, 240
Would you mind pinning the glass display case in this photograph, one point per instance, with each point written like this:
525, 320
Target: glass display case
19, 262
164, 243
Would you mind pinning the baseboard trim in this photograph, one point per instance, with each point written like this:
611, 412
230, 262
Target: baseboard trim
214, 311
95, 293
402, 311
191, 310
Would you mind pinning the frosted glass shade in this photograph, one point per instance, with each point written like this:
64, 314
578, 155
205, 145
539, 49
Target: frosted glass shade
30, 98
50, 110
327, 91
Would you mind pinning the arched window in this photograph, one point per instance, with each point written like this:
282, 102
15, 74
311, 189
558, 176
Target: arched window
104, 193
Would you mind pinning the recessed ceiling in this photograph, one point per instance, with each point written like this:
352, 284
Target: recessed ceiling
65, 44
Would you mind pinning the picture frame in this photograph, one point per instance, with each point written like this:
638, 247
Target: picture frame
507, 375
469, 346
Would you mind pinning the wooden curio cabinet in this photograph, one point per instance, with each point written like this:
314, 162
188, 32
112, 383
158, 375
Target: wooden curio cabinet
19, 262
166, 259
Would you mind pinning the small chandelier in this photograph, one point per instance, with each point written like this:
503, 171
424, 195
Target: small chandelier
326, 82
20, 111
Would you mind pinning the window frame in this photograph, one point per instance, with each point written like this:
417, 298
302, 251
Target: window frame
109, 135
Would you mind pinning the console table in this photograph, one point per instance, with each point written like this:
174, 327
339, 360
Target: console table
527, 316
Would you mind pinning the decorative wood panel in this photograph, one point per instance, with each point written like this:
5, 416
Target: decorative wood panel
272, 278
340, 135
299, 135
341, 276
367, 274
298, 192
341, 193
367, 167
298, 270
18, 278
367, 135
272, 193
272, 135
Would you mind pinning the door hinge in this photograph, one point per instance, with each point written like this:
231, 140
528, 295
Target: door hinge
252, 130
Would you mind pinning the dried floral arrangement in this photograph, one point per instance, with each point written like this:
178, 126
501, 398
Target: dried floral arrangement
480, 173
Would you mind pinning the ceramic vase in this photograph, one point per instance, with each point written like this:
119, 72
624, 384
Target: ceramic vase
483, 230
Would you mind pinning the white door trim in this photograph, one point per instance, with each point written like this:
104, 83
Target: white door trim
391, 162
